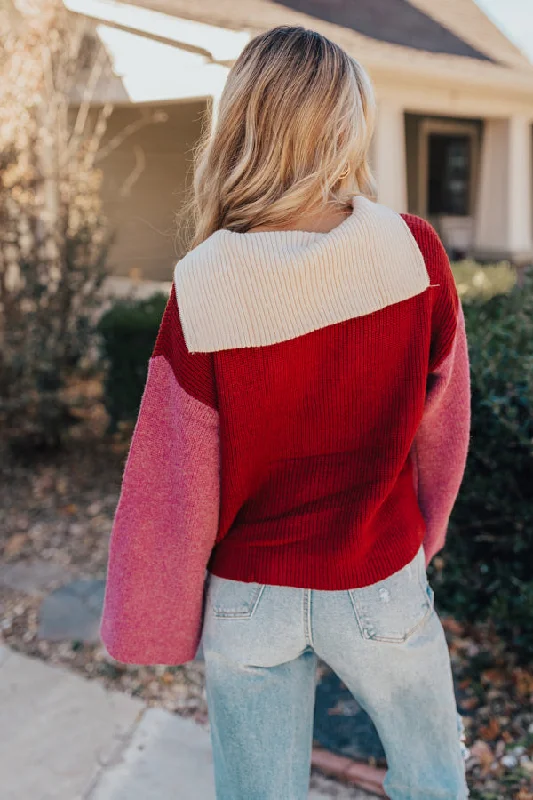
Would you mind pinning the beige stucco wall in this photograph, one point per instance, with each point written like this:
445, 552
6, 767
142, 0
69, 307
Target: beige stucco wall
502, 211
144, 219
505, 209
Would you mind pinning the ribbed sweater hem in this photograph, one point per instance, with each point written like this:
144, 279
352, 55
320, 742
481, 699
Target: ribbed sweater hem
326, 571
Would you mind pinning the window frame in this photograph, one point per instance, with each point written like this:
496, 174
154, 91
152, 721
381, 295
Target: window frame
446, 127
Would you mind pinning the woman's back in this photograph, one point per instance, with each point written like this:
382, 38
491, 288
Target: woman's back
305, 416
314, 351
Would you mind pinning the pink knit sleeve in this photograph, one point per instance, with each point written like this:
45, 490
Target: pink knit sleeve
166, 520
440, 448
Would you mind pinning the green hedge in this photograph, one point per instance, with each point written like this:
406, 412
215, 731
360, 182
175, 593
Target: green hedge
488, 561
128, 332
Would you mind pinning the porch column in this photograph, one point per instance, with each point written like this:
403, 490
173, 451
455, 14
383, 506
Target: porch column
505, 210
389, 156
519, 206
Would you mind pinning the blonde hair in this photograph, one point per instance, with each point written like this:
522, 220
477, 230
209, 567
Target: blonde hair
293, 132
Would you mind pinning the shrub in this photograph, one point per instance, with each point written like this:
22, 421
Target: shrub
487, 562
483, 282
128, 330
53, 237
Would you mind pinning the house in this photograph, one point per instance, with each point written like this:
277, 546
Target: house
454, 134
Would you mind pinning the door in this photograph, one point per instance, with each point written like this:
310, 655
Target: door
449, 174
448, 169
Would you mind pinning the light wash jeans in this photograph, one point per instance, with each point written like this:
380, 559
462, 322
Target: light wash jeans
385, 642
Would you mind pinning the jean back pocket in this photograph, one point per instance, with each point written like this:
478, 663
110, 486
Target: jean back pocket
235, 599
392, 610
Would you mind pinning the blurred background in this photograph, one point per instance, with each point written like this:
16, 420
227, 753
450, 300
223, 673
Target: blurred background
101, 105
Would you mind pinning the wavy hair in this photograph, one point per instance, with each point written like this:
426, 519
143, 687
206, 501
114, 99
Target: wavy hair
292, 133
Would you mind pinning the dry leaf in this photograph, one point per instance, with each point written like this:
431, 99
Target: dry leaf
494, 677
523, 680
14, 544
469, 703
62, 485
452, 626
491, 731
483, 754
524, 794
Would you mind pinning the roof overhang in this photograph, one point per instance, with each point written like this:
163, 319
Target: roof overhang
156, 57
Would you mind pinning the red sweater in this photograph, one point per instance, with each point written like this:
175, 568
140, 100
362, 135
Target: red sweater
309, 407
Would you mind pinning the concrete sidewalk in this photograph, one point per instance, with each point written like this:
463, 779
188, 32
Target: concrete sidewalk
58, 732
65, 738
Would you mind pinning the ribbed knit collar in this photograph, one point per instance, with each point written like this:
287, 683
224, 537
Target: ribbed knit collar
295, 238
256, 289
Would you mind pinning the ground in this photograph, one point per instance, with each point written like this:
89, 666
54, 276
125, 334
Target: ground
55, 518
123, 751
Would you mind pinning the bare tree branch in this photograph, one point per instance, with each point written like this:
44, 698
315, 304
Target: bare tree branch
157, 117
95, 75
135, 174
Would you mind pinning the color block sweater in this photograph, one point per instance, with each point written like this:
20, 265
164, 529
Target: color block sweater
305, 422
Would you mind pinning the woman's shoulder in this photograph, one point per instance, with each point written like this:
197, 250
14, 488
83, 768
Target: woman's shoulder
201, 253
431, 248
425, 235
203, 281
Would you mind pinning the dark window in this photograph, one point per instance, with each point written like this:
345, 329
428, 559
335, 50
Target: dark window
394, 21
449, 171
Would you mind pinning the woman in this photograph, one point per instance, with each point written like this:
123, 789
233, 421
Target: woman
301, 440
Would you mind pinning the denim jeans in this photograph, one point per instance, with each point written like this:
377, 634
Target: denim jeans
386, 644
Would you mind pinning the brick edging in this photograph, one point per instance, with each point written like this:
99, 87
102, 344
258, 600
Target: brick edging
345, 769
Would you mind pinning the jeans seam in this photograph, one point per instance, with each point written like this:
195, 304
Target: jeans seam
307, 616
357, 617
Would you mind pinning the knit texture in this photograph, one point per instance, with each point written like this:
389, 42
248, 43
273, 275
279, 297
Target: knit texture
441, 443
305, 423
248, 290
164, 528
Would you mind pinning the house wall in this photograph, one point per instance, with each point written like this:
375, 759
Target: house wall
504, 219
144, 217
147, 241
503, 209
